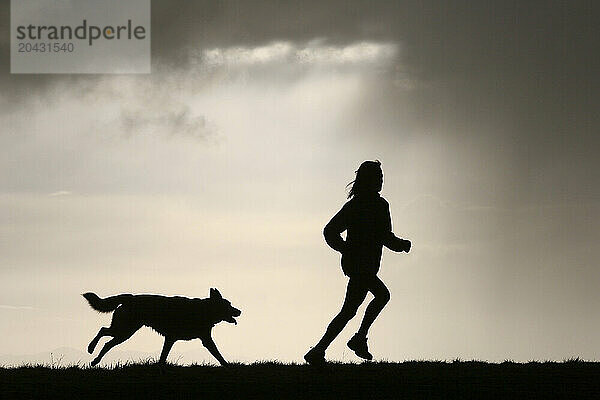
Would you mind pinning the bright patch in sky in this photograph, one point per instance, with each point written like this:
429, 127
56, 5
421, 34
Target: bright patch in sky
314, 52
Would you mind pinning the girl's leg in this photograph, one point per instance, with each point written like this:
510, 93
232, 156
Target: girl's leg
382, 296
355, 294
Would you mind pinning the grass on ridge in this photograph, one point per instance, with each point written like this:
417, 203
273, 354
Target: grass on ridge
573, 378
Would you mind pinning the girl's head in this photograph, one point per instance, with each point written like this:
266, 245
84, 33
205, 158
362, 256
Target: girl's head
369, 179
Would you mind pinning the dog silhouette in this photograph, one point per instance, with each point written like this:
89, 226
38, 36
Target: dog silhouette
175, 318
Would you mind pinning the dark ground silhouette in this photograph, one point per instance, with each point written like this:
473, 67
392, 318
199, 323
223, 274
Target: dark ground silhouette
410, 380
176, 318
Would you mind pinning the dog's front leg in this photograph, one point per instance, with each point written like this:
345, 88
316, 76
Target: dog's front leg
165, 350
212, 348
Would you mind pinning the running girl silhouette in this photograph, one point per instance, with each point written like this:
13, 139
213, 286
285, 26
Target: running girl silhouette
366, 218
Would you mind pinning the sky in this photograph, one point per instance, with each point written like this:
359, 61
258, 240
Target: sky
222, 166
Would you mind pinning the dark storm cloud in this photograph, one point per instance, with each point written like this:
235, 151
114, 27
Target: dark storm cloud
522, 73
518, 76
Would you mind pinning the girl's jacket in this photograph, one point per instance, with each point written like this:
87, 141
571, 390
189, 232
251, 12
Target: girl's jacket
369, 225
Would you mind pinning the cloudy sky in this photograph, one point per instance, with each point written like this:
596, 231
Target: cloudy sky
221, 168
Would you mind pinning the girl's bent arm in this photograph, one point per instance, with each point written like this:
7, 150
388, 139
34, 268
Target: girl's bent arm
337, 225
390, 240
394, 243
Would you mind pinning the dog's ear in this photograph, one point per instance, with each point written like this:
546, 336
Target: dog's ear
214, 294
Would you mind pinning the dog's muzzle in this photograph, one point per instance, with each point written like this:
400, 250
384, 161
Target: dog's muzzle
234, 313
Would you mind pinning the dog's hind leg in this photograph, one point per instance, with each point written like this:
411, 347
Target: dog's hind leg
122, 336
107, 346
123, 326
165, 350
101, 333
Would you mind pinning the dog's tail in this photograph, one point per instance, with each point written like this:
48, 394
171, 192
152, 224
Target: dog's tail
108, 304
